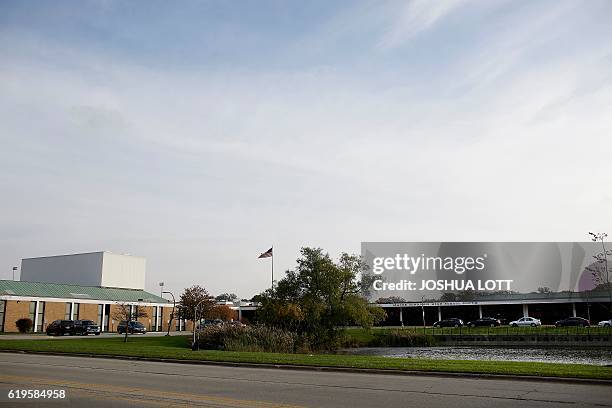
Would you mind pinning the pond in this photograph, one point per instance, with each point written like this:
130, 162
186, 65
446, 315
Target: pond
546, 355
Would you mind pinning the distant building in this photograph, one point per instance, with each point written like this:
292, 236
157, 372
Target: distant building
548, 307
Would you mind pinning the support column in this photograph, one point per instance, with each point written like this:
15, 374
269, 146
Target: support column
158, 320
71, 310
402, 316
525, 310
439, 313
103, 315
36, 316
574, 309
479, 311
239, 313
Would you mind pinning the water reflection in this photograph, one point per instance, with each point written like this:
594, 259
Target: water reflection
556, 355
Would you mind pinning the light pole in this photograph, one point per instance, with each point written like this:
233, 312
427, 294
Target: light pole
423, 311
14, 269
172, 315
195, 346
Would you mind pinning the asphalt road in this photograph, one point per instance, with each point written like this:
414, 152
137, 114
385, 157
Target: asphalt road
94, 382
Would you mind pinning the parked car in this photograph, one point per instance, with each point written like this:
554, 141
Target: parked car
605, 323
132, 327
526, 321
85, 327
210, 322
60, 327
451, 322
484, 321
573, 321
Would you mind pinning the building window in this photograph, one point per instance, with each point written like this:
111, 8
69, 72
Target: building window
41, 317
160, 319
2, 308
75, 312
106, 317
32, 312
67, 311
100, 310
154, 324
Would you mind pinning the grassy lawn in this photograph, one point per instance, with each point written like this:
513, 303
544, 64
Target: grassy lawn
177, 347
367, 335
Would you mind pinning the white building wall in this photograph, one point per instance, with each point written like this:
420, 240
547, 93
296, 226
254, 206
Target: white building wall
123, 271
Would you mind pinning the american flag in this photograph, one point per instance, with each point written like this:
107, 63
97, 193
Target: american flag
266, 254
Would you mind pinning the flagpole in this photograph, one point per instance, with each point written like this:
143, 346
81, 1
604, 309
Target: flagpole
272, 267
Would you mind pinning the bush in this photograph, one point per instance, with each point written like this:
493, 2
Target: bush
251, 338
24, 325
401, 338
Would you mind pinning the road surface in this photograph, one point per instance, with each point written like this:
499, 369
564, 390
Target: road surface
96, 382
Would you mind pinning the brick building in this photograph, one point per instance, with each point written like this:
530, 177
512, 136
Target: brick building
82, 287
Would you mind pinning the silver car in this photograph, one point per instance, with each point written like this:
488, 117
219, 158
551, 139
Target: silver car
605, 323
526, 321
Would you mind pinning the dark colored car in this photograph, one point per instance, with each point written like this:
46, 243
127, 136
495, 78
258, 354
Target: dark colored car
60, 327
85, 327
484, 321
573, 321
132, 327
210, 322
452, 322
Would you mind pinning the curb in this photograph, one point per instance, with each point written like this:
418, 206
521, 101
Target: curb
444, 374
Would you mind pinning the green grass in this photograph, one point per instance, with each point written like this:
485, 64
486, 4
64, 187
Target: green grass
177, 347
368, 334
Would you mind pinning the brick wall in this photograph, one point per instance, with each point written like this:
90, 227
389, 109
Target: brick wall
166, 312
146, 321
54, 311
15, 310
88, 311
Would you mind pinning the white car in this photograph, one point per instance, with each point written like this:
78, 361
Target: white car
605, 323
526, 321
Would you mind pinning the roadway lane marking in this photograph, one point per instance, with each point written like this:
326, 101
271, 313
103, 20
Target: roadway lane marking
153, 397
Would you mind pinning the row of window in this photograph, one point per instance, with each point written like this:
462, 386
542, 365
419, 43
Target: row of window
72, 312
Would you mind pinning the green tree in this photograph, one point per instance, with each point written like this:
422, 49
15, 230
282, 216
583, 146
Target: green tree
195, 296
227, 297
319, 297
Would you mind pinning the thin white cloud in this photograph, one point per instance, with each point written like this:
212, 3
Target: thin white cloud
415, 17
201, 170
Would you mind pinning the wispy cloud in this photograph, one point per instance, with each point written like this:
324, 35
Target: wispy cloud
415, 17
196, 166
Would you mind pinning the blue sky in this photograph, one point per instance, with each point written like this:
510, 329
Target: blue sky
197, 134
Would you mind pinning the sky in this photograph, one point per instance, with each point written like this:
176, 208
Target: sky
198, 134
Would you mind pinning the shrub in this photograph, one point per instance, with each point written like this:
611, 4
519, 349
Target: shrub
24, 325
401, 338
250, 338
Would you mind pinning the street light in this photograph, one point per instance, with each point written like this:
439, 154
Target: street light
172, 315
423, 311
195, 345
